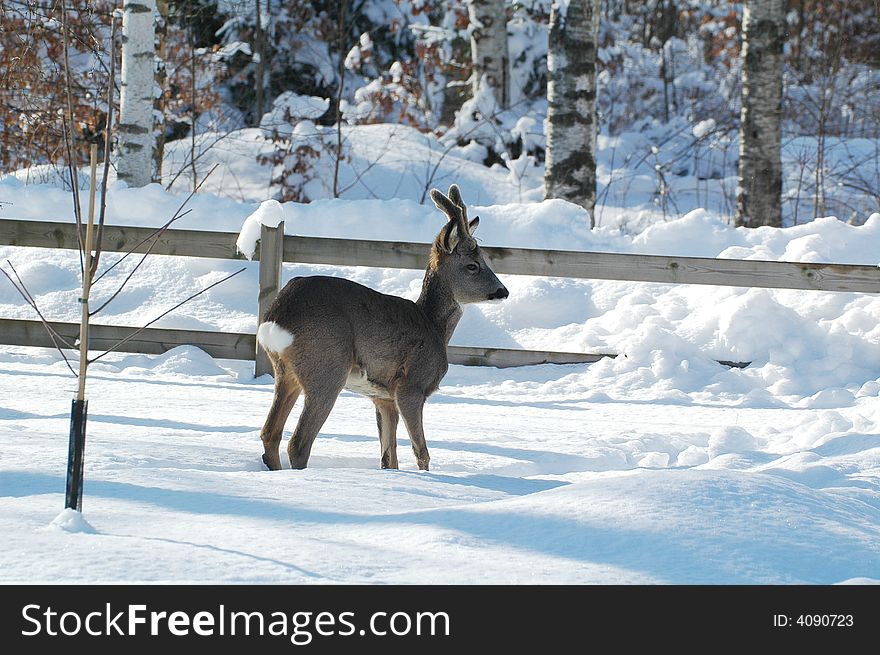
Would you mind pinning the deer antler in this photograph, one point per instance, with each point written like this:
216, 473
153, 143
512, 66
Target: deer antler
447, 206
455, 197
458, 227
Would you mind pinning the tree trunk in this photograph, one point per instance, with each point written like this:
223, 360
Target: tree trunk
261, 63
161, 76
135, 156
570, 167
489, 47
759, 194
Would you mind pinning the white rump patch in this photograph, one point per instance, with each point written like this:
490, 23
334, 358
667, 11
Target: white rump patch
273, 337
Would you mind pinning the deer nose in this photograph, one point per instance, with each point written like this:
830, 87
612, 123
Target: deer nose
500, 294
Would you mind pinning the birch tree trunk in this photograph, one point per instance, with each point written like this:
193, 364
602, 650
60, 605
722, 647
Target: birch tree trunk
160, 79
570, 166
135, 153
759, 192
259, 52
489, 47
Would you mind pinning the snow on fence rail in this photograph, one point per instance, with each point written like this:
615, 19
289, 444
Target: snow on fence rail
395, 254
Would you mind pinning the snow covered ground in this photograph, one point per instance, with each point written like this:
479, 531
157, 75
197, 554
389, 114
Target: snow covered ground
659, 466
535, 478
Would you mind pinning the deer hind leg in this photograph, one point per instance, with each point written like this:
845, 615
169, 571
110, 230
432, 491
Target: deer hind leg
319, 400
287, 390
411, 403
386, 418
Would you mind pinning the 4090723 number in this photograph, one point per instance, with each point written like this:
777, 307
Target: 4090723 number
824, 620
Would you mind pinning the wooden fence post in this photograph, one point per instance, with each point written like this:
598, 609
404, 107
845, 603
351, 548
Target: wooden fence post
271, 254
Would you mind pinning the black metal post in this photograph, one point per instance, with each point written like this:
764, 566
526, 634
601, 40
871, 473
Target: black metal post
79, 410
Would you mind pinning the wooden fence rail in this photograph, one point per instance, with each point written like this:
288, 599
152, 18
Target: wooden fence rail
515, 261
237, 345
396, 254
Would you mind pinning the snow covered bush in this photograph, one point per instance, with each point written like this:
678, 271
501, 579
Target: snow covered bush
298, 144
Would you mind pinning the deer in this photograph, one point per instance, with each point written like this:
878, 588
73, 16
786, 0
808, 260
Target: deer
325, 334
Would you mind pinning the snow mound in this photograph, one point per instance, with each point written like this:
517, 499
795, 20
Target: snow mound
186, 361
70, 520
730, 439
861, 581
288, 108
698, 527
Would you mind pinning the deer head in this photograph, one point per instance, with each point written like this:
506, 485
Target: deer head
456, 256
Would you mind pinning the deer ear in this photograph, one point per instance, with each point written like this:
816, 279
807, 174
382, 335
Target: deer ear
472, 226
450, 236
455, 194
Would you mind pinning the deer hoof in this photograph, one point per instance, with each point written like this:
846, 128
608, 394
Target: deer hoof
272, 466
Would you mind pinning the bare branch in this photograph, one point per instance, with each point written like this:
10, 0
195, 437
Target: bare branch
155, 236
202, 152
99, 238
178, 214
360, 174
69, 135
29, 299
858, 187
131, 336
343, 10
71, 167
487, 120
192, 90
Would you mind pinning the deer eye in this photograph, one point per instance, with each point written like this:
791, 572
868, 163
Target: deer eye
473, 268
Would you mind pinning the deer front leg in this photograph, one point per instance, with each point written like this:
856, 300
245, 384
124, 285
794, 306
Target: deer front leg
410, 403
386, 418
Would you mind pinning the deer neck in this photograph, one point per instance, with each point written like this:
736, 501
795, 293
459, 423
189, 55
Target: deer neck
439, 305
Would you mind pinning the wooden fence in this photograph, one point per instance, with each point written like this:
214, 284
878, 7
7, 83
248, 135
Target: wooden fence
275, 249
